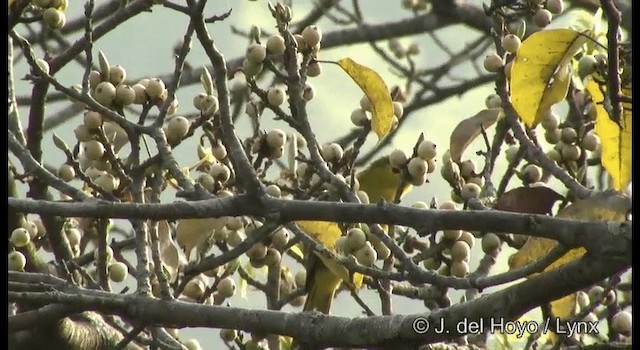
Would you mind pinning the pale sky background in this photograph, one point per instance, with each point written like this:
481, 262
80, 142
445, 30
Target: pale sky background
144, 45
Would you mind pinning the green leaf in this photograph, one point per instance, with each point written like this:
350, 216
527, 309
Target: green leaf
105, 68
207, 82
541, 72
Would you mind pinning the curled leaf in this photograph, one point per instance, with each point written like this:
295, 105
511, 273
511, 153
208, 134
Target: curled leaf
169, 252
467, 130
60, 144
376, 91
532, 200
207, 82
541, 72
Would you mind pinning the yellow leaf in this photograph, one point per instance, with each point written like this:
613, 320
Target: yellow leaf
285, 342
191, 232
296, 250
376, 90
467, 130
616, 141
379, 181
605, 206
541, 72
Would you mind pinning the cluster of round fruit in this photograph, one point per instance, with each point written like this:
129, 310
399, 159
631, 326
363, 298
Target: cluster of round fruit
419, 165
462, 174
197, 287
268, 144
620, 322
53, 13
362, 116
218, 168
332, 153
398, 50
363, 245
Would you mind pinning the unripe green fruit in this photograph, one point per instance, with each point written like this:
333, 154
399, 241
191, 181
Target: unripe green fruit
276, 138
452, 235
542, 18
556, 7
450, 171
308, 92
570, 152
280, 238
54, 18
228, 335
493, 63
397, 158
96, 254
447, 205
332, 152
141, 94
276, 45
356, 239
17, 261
510, 153
276, 96
366, 255
34, 228
568, 135
250, 68
531, 173
177, 128
117, 74
417, 167
256, 53
511, 43
193, 344
493, 101
467, 168
459, 269
490, 242
552, 136
107, 182
468, 238
66, 172
20, 237
431, 264
220, 172
590, 142
314, 69
257, 251
104, 93
427, 150
43, 65
359, 117
312, 35
226, 287
460, 251
587, 65
93, 149
155, 88
621, 323
550, 122
125, 95
118, 271
235, 237
470, 190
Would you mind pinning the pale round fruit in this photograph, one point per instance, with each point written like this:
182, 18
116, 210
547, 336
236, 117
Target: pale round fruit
301, 278
382, 250
273, 257
460, 251
93, 172
34, 228
177, 128
235, 237
493, 101
556, 7
280, 238
332, 152
194, 289
314, 69
511, 43
550, 122
197, 100
228, 335
478, 180
542, 18
363, 197
117, 75
587, 65
73, 236
366, 255
308, 92
226, 287
590, 142
596, 293
359, 117
252, 226
107, 182
467, 168
431, 264
468, 238
511, 153
417, 167
470, 190
235, 223
96, 254
398, 109
141, 94
251, 69
155, 88
507, 69
93, 149
193, 344
17, 261
419, 181
356, 239
447, 205
220, 172
104, 93
554, 155
92, 120
301, 170
276, 138
552, 136
125, 95
66, 172
256, 53
431, 166
276, 45
531, 173
452, 235
568, 135
490, 242
118, 271
257, 251
95, 78
312, 35
54, 18
43, 65
570, 152
365, 104
20, 237
459, 268
420, 205
273, 191
456, 197
219, 151
427, 150
493, 63
397, 158
583, 299
621, 323
276, 96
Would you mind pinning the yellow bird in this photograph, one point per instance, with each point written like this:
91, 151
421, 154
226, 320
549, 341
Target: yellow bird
324, 276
